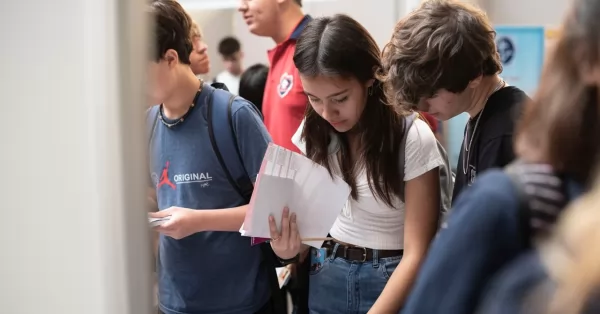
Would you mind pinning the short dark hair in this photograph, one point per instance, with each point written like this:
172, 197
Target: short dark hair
299, 2
252, 84
229, 46
442, 44
339, 46
172, 26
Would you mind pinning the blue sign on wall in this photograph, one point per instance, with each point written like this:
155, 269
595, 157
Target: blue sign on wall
521, 50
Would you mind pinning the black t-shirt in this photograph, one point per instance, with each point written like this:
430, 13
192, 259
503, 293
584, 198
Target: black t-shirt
492, 145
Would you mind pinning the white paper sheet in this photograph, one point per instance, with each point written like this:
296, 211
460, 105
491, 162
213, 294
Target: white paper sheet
290, 179
155, 222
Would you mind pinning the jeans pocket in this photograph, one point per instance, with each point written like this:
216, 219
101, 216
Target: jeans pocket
388, 265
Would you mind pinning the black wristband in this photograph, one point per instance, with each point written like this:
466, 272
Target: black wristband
285, 262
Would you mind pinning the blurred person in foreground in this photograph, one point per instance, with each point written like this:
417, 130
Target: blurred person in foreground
204, 265
563, 275
506, 212
199, 61
442, 59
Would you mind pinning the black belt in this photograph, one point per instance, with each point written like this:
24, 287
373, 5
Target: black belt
355, 253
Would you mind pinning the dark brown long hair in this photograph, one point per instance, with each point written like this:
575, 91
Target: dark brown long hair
339, 46
561, 124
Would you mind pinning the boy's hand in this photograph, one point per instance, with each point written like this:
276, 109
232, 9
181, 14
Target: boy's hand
183, 222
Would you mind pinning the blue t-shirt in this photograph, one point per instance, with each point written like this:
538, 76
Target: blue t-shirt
482, 235
207, 272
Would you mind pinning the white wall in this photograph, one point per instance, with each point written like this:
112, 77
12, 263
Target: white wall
363, 11
548, 13
526, 12
518, 12
380, 28
73, 223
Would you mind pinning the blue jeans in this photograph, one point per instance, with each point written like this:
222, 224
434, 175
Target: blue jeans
348, 287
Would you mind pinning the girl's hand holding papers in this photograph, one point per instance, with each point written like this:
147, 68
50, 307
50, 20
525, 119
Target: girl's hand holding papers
287, 243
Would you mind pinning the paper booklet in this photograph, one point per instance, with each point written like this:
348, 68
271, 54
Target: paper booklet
289, 179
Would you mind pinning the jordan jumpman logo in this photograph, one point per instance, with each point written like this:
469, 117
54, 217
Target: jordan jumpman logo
164, 178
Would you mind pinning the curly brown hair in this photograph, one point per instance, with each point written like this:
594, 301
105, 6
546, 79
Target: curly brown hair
443, 44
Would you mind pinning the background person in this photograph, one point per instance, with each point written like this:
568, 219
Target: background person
442, 59
199, 61
252, 84
231, 53
284, 101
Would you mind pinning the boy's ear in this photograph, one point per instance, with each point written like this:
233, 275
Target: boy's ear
171, 57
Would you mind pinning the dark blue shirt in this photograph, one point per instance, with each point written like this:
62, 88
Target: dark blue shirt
482, 236
526, 287
207, 272
522, 287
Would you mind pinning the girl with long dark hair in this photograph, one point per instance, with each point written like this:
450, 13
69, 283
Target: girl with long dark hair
381, 235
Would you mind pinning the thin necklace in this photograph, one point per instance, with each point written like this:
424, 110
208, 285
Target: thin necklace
178, 121
465, 162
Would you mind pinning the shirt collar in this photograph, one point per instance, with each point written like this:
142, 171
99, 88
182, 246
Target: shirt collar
301, 26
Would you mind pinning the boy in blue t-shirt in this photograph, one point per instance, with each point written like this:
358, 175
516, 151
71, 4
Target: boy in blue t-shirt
204, 264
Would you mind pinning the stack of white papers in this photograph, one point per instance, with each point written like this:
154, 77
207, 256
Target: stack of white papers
306, 188
155, 222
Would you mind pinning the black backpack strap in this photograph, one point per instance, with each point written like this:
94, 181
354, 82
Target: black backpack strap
224, 142
542, 197
219, 85
223, 139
